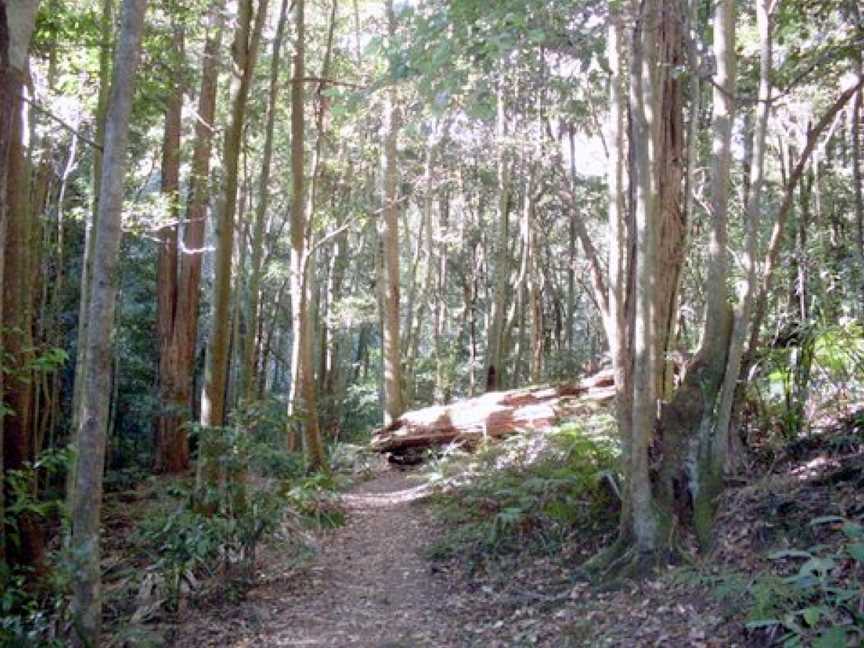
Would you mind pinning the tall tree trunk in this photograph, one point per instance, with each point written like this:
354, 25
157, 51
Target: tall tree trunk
493, 373
87, 494
17, 20
253, 297
302, 360
752, 215
170, 456
106, 30
535, 283
442, 373
245, 52
857, 116
393, 403
617, 331
710, 363
179, 355
17, 259
644, 103
668, 167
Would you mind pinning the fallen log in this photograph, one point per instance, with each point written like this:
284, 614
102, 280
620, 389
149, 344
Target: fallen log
493, 415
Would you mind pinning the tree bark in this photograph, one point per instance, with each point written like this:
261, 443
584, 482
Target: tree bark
87, 495
687, 423
753, 215
179, 356
493, 374
301, 360
253, 297
668, 167
244, 54
171, 453
106, 29
644, 523
393, 402
617, 331
17, 259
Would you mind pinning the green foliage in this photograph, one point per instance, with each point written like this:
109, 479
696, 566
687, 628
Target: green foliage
823, 365
316, 499
260, 491
30, 616
532, 491
362, 411
31, 612
814, 600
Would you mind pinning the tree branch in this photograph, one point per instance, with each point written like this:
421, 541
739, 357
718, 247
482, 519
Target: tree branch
62, 123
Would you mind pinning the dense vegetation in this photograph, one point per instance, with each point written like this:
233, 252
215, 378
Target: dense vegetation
239, 236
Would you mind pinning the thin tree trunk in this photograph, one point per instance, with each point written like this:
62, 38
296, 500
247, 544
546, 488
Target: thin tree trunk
393, 403
106, 28
245, 51
494, 371
166, 446
643, 106
717, 332
442, 373
617, 330
857, 116
753, 215
778, 231
302, 360
252, 308
87, 495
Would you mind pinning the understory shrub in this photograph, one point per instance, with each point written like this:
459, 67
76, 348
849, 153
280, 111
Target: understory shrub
532, 491
812, 597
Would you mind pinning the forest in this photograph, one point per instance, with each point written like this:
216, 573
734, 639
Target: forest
431, 323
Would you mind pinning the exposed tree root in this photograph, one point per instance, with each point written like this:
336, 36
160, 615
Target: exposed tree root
624, 561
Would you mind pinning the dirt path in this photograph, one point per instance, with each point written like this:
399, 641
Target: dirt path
368, 586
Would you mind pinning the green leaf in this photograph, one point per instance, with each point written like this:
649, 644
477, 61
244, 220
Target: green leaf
819, 566
789, 553
853, 531
812, 615
762, 623
856, 550
831, 638
827, 519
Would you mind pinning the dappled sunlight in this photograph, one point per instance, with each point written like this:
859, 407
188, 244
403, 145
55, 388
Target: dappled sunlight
385, 500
